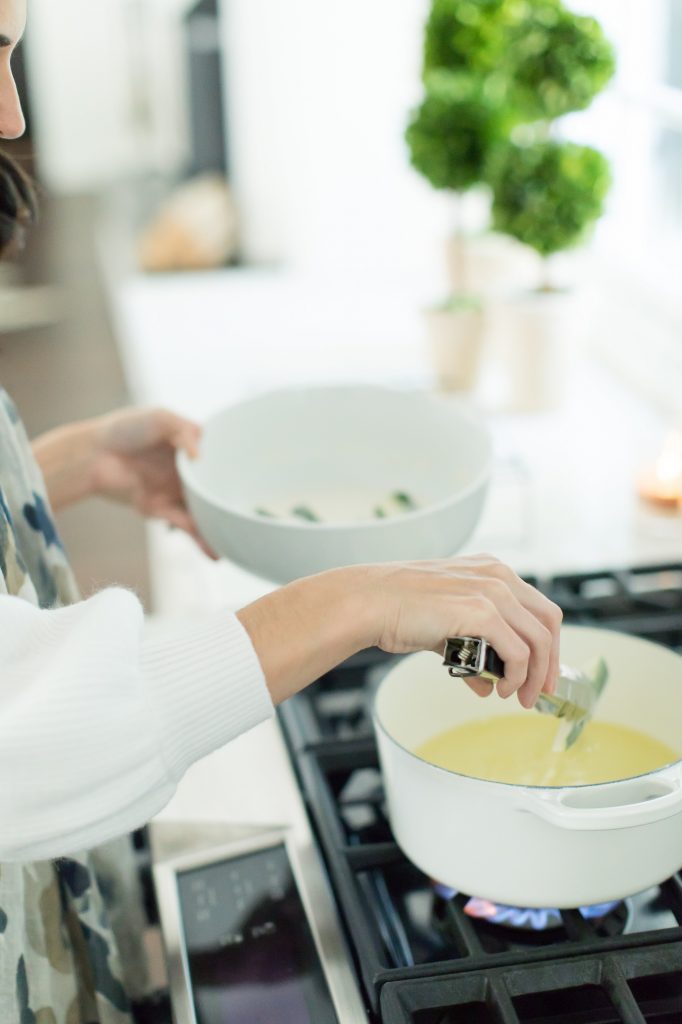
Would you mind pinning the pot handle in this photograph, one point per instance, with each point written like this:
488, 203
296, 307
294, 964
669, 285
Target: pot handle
640, 802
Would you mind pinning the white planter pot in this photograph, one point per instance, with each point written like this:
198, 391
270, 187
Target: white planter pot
536, 846
533, 335
456, 339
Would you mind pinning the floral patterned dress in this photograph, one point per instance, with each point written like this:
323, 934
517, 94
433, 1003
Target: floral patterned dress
70, 930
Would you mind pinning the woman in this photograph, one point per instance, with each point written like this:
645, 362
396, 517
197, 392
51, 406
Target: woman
99, 720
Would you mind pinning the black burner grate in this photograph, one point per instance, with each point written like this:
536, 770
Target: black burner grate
646, 601
634, 986
421, 958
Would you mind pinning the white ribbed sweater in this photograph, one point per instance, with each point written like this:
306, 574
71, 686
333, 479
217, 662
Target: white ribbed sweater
100, 718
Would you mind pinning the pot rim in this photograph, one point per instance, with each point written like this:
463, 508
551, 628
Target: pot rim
380, 727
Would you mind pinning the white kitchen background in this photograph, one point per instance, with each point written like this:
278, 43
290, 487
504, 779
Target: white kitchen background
317, 95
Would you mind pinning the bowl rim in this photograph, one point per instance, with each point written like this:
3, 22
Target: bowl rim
186, 467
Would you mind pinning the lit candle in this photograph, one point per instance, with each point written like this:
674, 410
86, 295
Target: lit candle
662, 483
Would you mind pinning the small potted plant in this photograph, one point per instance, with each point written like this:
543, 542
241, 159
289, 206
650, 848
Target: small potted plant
497, 73
547, 195
449, 138
465, 43
456, 338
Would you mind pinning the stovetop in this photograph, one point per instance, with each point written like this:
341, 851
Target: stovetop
420, 955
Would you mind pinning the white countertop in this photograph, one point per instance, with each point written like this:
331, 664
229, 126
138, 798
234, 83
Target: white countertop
563, 495
562, 498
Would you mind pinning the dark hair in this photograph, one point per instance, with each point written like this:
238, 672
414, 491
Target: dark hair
18, 205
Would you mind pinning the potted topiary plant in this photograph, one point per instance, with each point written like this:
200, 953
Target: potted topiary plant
547, 195
450, 136
464, 113
496, 74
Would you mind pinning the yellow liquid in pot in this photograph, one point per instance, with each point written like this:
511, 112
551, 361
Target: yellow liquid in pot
518, 749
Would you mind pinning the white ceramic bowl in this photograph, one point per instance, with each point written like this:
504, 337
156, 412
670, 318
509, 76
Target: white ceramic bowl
339, 451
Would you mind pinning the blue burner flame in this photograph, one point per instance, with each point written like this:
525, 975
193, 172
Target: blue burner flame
526, 918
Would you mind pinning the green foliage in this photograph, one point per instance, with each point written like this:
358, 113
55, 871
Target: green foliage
557, 61
542, 60
466, 35
547, 195
450, 134
491, 66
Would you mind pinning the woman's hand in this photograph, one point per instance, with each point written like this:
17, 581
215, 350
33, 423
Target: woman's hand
417, 606
128, 456
133, 461
305, 629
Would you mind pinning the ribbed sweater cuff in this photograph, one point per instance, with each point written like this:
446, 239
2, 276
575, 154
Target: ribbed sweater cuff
206, 686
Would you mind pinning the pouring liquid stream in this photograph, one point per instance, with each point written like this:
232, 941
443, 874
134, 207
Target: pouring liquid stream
573, 702
575, 695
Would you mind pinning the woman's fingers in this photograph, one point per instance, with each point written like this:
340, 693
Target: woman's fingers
423, 603
181, 434
511, 601
488, 621
539, 640
176, 517
534, 634
188, 439
481, 687
543, 611
551, 616
179, 519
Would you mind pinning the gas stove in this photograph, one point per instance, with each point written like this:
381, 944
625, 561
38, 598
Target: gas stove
303, 908
427, 955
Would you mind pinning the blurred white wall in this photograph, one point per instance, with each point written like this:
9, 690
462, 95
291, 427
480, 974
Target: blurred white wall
318, 94
106, 87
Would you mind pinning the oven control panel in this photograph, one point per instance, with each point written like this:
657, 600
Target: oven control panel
250, 950
249, 929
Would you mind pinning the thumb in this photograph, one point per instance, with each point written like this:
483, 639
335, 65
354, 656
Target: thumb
183, 435
189, 440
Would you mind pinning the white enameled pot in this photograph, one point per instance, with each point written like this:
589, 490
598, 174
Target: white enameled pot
532, 846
